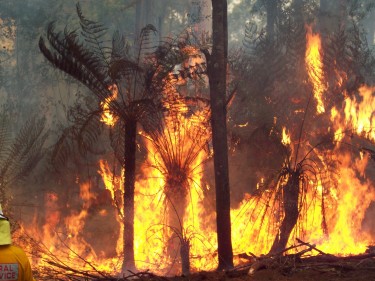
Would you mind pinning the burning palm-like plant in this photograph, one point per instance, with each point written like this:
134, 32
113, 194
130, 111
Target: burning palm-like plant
295, 178
127, 81
178, 148
135, 74
281, 71
284, 197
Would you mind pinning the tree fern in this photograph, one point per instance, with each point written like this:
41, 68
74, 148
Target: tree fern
21, 154
138, 73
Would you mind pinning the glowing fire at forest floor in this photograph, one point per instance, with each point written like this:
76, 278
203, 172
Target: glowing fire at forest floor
254, 222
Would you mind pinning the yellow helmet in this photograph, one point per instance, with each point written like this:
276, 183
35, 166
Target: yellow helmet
5, 236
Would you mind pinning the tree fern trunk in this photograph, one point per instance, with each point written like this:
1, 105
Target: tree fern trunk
185, 257
129, 164
176, 192
290, 198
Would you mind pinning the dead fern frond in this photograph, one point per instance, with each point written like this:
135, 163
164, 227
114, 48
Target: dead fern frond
22, 154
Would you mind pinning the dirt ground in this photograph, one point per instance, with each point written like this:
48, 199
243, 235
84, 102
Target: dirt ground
359, 268
360, 274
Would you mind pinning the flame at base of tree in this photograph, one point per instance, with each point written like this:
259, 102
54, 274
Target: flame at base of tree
255, 223
174, 214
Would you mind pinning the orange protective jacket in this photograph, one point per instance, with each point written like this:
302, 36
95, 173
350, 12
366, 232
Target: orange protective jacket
14, 264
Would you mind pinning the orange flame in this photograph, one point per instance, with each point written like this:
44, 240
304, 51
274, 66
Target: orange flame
255, 222
314, 67
107, 117
285, 137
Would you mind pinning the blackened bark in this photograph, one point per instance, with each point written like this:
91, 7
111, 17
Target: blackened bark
176, 192
217, 66
272, 14
291, 213
129, 164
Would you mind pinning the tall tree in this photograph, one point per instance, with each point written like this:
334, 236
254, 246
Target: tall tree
217, 71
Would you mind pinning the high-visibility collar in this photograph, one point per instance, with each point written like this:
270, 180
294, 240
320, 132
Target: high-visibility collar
5, 236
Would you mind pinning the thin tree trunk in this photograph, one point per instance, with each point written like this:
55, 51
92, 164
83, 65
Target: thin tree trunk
129, 164
217, 66
272, 8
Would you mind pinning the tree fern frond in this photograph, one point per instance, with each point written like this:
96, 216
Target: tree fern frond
93, 32
63, 148
80, 138
145, 44
24, 142
72, 66
123, 67
117, 140
120, 49
89, 132
23, 170
5, 136
86, 56
25, 151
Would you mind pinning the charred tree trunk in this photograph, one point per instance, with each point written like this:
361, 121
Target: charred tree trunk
129, 165
185, 257
272, 14
217, 70
176, 192
291, 212
176, 202
176, 196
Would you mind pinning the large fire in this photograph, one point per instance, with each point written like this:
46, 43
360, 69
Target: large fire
165, 224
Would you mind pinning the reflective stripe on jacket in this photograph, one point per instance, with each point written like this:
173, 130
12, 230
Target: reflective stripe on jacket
14, 264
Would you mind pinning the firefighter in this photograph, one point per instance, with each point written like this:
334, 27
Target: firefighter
14, 264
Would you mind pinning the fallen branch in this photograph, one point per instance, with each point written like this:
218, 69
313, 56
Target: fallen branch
82, 273
311, 246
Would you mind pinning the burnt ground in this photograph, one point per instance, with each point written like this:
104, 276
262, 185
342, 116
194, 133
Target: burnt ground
310, 274
323, 268
359, 271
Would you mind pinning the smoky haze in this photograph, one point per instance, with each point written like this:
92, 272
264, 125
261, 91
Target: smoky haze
268, 95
